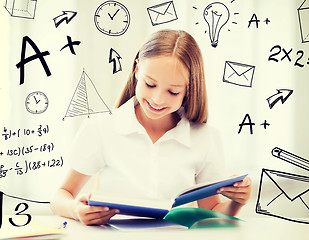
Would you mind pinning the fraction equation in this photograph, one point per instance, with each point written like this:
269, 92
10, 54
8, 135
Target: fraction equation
40, 131
21, 151
27, 166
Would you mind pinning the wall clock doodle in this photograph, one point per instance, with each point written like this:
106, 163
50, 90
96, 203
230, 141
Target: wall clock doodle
112, 18
36, 102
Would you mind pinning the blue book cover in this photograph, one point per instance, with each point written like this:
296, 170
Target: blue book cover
159, 209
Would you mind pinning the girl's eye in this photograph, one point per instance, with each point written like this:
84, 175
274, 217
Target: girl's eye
150, 86
173, 93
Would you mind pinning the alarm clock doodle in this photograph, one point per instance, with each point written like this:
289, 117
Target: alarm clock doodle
112, 18
36, 102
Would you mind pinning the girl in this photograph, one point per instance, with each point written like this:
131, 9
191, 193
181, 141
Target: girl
156, 142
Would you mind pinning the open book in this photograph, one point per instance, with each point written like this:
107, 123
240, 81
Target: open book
156, 208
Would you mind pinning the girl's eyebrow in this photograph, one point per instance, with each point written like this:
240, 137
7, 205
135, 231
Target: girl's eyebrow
173, 85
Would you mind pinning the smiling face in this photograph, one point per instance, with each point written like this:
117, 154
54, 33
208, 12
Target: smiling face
161, 87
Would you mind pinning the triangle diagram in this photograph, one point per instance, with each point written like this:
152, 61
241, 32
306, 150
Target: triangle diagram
86, 99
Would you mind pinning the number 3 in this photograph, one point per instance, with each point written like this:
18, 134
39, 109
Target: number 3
20, 213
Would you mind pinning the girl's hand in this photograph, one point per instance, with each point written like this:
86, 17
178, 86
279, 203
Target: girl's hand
240, 192
91, 215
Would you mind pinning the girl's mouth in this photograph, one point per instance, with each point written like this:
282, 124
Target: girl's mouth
155, 109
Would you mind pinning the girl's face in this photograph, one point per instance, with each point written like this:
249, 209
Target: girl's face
161, 86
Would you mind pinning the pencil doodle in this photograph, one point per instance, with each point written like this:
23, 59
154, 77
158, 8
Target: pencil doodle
238, 73
70, 45
114, 58
256, 20
86, 100
21, 8
17, 133
20, 209
36, 102
287, 193
248, 122
286, 55
24, 167
303, 14
290, 158
281, 95
66, 16
112, 18
162, 13
39, 55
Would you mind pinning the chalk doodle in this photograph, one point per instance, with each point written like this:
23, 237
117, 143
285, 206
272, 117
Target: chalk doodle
238, 73
36, 102
112, 18
86, 100
303, 16
21, 8
281, 95
162, 13
66, 16
287, 192
286, 55
114, 58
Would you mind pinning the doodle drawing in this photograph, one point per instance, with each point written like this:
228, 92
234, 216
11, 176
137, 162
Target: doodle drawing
21, 8
282, 94
86, 100
238, 74
283, 195
216, 16
290, 158
162, 13
303, 17
112, 18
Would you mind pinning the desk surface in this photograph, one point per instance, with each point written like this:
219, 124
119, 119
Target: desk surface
254, 228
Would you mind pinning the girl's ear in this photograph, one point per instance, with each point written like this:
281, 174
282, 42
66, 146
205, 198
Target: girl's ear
136, 66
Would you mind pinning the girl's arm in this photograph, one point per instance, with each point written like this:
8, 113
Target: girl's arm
66, 204
239, 194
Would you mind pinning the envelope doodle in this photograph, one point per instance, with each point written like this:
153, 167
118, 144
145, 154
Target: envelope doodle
286, 196
162, 13
238, 74
303, 17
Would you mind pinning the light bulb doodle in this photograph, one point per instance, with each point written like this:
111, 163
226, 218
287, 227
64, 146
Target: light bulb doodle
216, 16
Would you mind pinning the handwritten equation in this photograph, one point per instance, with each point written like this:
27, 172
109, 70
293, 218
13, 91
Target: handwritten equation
9, 133
21, 168
21, 151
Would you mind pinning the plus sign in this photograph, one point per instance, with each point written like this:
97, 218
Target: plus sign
265, 124
1, 153
267, 21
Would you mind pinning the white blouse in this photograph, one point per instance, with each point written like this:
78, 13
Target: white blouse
119, 148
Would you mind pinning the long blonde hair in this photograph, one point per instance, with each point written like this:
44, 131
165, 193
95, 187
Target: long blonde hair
182, 45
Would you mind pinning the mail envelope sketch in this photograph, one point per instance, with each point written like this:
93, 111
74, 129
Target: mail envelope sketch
238, 73
284, 195
162, 13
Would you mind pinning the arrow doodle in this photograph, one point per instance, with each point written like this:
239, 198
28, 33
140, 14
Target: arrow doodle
115, 58
65, 16
282, 94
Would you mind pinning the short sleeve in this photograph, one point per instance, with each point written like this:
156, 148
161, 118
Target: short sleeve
213, 167
85, 154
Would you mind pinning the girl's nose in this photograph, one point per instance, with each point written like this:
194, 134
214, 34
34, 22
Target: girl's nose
158, 97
